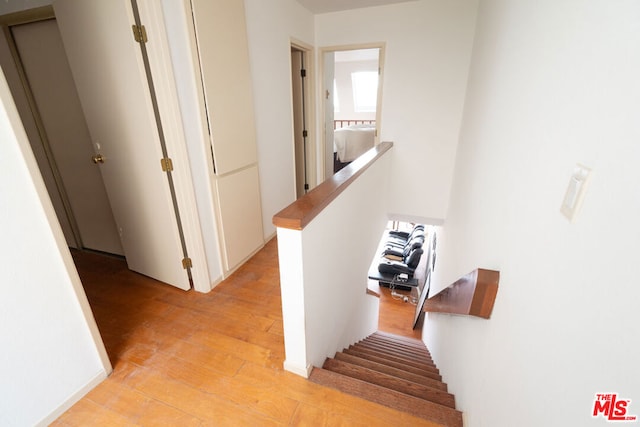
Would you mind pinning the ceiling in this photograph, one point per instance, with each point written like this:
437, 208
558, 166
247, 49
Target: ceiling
324, 6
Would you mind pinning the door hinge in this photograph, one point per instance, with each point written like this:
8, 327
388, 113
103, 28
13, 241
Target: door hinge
305, 134
303, 73
167, 164
306, 187
139, 33
186, 263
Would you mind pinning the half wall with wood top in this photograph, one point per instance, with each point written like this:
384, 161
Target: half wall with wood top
326, 241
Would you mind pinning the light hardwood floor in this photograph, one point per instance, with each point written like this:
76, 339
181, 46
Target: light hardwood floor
190, 359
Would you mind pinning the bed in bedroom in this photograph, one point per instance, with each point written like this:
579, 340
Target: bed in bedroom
351, 138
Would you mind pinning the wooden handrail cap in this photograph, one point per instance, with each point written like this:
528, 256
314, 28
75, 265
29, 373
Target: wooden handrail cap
297, 215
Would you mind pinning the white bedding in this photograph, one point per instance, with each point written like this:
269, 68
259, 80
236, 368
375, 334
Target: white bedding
352, 141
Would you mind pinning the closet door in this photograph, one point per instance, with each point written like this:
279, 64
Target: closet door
220, 30
224, 56
239, 197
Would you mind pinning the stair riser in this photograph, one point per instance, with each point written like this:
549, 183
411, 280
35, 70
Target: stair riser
399, 352
387, 381
399, 348
397, 339
391, 346
406, 360
409, 358
411, 346
398, 365
399, 373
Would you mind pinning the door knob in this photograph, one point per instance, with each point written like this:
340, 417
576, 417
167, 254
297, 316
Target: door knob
98, 158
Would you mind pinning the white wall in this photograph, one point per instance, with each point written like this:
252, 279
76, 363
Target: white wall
552, 84
428, 48
48, 357
270, 28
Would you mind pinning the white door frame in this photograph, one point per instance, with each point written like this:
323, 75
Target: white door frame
310, 107
152, 16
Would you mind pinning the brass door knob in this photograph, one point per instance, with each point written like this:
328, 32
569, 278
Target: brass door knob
98, 158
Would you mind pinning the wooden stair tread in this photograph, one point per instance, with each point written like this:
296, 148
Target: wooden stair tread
384, 396
398, 384
398, 345
394, 371
409, 361
400, 365
402, 353
398, 338
390, 370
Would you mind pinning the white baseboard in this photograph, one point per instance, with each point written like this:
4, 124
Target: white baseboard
73, 399
303, 371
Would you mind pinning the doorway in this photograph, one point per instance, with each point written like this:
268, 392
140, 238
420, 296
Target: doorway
352, 88
34, 60
120, 111
302, 102
36, 67
136, 204
120, 102
148, 226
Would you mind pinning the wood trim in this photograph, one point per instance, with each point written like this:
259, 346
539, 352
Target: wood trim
297, 215
474, 295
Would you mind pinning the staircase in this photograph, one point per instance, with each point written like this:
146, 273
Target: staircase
393, 371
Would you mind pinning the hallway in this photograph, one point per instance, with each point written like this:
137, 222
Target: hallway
186, 358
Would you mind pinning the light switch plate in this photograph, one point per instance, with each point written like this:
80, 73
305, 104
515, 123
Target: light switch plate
575, 191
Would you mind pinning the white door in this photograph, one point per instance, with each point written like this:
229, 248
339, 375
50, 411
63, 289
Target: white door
224, 59
110, 77
49, 78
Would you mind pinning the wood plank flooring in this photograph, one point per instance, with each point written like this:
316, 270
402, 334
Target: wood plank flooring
396, 316
191, 359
